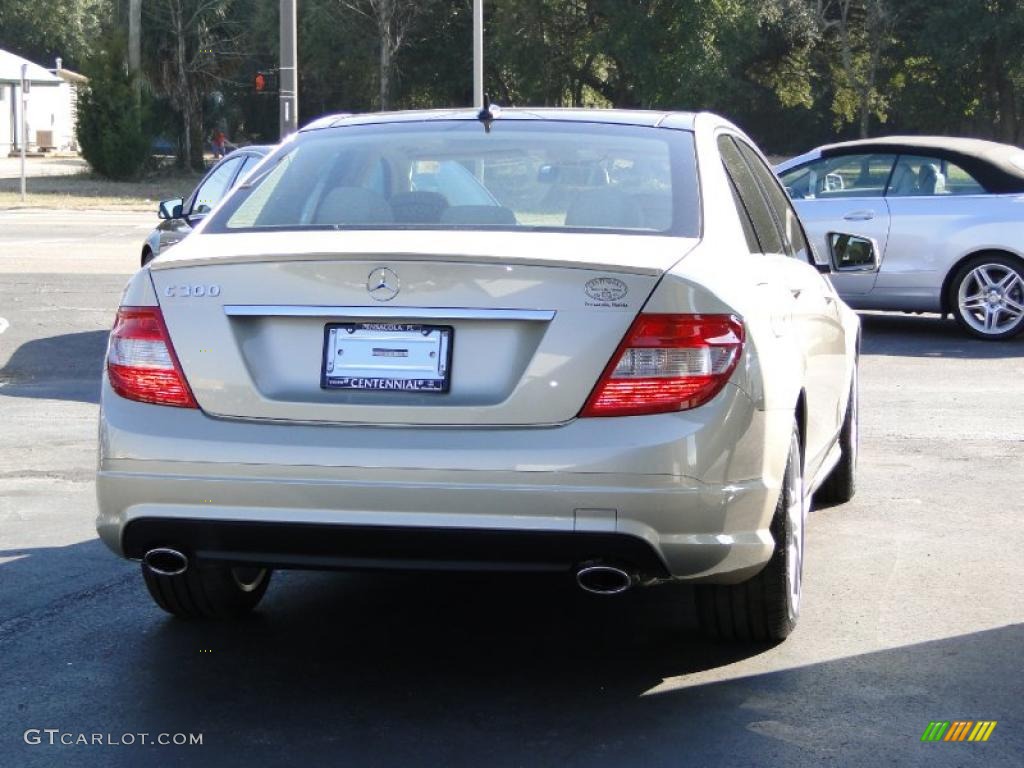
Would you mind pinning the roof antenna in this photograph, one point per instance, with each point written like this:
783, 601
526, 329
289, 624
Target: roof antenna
486, 115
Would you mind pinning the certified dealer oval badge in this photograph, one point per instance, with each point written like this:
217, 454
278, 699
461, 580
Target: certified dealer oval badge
606, 289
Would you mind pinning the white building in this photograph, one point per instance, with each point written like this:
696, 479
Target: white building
52, 106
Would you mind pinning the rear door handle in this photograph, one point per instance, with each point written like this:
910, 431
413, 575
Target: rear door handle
859, 216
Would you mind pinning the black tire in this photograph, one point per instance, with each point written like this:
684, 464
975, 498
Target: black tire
764, 607
147, 256
966, 284
208, 592
841, 484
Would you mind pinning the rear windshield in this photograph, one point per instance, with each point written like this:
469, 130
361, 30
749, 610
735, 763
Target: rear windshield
522, 175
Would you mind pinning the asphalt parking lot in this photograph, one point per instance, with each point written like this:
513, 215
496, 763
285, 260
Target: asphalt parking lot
913, 607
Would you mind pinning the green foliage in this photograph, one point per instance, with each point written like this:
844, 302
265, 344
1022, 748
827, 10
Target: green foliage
793, 73
41, 30
110, 120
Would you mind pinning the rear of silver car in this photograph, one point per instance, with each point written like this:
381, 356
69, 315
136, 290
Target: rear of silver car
458, 398
272, 468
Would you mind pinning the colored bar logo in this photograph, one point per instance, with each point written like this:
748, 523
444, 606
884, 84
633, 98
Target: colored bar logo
958, 730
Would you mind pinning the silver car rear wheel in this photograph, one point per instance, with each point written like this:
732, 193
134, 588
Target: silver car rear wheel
767, 606
989, 297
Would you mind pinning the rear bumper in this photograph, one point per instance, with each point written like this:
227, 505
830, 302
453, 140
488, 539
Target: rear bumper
331, 546
687, 496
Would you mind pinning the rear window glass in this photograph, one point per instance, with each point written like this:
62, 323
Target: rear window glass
522, 175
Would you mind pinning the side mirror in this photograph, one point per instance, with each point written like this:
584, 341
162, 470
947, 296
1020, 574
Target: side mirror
853, 253
170, 209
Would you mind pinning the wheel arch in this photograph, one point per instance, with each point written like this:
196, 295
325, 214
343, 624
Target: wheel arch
947, 281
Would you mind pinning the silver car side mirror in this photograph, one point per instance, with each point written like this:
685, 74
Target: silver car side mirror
170, 209
853, 253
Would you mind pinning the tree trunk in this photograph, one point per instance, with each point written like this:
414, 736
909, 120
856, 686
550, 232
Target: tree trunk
181, 86
385, 73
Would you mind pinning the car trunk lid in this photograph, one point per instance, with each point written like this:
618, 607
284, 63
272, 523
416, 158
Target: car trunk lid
529, 320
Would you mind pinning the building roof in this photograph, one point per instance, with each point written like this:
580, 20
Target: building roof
10, 71
70, 77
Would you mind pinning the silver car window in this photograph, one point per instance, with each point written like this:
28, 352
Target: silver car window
862, 175
785, 216
923, 176
750, 194
215, 186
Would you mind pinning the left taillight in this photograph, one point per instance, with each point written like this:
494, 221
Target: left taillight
668, 363
141, 363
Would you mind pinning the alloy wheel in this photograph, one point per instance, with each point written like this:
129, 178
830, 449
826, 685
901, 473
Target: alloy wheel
991, 298
796, 518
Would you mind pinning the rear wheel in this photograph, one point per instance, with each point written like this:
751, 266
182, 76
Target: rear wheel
765, 607
987, 297
841, 484
208, 592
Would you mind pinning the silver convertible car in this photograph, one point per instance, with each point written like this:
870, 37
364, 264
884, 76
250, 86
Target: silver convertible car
946, 217
594, 343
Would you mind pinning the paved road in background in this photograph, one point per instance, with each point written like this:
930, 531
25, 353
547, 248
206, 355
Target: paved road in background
37, 240
913, 609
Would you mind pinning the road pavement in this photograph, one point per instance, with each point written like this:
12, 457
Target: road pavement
913, 608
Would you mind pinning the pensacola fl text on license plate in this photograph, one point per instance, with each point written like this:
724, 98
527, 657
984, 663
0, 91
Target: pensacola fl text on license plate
402, 357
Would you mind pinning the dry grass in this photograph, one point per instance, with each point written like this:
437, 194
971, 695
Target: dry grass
85, 191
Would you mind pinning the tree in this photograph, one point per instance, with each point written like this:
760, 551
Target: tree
41, 30
193, 46
863, 30
110, 123
393, 21
963, 66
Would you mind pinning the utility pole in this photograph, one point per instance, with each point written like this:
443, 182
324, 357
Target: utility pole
135, 36
478, 54
24, 124
288, 77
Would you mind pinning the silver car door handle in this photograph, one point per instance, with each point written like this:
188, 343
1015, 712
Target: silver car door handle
859, 216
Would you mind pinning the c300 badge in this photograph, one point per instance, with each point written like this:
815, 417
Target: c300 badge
606, 292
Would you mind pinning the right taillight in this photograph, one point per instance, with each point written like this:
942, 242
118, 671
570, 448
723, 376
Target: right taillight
668, 363
141, 363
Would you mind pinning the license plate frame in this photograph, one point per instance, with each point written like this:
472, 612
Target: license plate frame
372, 343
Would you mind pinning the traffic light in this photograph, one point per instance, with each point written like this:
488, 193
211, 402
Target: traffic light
260, 82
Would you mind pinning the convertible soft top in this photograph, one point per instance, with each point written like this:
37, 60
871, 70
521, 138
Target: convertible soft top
997, 167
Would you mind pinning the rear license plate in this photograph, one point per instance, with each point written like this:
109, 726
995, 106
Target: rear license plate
403, 357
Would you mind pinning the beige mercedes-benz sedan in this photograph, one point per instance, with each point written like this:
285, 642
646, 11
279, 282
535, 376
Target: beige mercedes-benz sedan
585, 342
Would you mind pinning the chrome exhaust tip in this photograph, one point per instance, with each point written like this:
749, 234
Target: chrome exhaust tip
165, 562
603, 579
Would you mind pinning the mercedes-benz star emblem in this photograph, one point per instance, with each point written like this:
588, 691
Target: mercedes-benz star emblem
383, 284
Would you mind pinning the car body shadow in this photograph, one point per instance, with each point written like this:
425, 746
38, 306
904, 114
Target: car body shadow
468, 670
899, 335
65, 367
